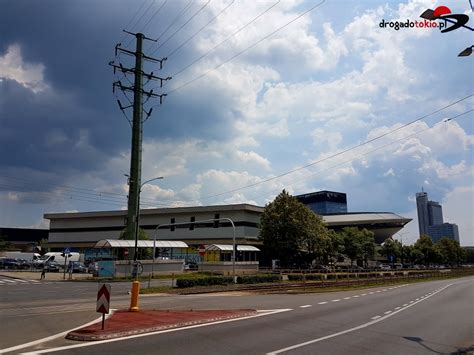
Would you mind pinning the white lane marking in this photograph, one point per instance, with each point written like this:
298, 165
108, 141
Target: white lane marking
51, 337
336, 300
384, 290
417, 299
371, 293
305, 306
347, 298
35, 281
376, 317
20, 280
405, 304
10, 281
388, 312
365, 325
378, 291
322, 302
397, 308
356, 296
1, 282
364, 294
261, 313
411, 301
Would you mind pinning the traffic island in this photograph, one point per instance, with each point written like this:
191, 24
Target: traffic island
123, 323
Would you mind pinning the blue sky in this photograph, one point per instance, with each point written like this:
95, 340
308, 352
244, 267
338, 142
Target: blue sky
328, 81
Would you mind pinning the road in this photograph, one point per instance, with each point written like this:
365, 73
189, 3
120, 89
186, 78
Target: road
422, 318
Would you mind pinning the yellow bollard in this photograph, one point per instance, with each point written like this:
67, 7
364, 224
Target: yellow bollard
134, 298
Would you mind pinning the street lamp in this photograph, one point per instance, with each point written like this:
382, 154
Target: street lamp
467, 52
401, 242
137, 218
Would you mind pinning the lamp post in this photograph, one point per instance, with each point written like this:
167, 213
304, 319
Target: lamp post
401, 242
137, 218
136, 283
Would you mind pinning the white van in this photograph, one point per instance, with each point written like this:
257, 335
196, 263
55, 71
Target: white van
56, 256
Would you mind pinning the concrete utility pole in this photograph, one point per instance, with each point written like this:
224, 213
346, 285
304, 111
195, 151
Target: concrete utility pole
132, 228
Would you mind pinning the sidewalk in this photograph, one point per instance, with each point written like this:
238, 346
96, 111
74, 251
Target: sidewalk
50, 276
123, 323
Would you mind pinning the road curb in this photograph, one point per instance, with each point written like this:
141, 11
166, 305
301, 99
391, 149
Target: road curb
95, 335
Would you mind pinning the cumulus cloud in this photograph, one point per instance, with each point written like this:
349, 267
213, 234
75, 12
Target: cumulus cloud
30, 75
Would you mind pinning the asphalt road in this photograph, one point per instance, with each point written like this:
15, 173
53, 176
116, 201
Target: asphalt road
422, 318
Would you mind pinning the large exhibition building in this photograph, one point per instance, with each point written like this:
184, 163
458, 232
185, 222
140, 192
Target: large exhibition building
211, 226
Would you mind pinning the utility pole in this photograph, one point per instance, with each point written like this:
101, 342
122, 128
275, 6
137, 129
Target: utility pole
132, 228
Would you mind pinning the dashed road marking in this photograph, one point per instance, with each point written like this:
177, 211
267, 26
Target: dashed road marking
336, 300
322, 302
376, 317
305, 306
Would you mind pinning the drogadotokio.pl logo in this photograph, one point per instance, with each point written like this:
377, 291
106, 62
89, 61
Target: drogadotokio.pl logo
442, 13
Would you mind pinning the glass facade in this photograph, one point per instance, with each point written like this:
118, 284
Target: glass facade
324, 202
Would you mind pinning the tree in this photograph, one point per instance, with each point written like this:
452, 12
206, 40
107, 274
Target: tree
391, 249
335, 246
358, 244
425, 246
125, 235
449, 251
468, 254
290, 231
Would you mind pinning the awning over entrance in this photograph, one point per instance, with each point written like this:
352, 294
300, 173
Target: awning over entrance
228, 247
118, 243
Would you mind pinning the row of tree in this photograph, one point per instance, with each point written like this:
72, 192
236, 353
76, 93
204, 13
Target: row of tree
424, 251
296, 236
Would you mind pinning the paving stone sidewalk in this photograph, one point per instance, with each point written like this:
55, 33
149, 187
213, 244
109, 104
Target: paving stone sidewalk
124, 323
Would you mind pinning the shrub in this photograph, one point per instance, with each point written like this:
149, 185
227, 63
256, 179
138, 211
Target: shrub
252, 279
204, 281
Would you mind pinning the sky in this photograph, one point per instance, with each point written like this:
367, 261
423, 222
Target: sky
264, 96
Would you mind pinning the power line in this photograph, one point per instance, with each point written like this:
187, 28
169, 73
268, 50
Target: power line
184, 24
336, 154
138, 21
182, 12
227, 38
133, 17
199, 31
71, 189
242, 51
383, 146
152, 16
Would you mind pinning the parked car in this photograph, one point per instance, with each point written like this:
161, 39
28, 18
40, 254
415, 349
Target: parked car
52, 266
10, 263
385, 267
191, 266
77, 266
23, 264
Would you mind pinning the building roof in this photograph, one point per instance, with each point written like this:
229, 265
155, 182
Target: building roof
364, 218
118, 243
228, 247
151, 211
